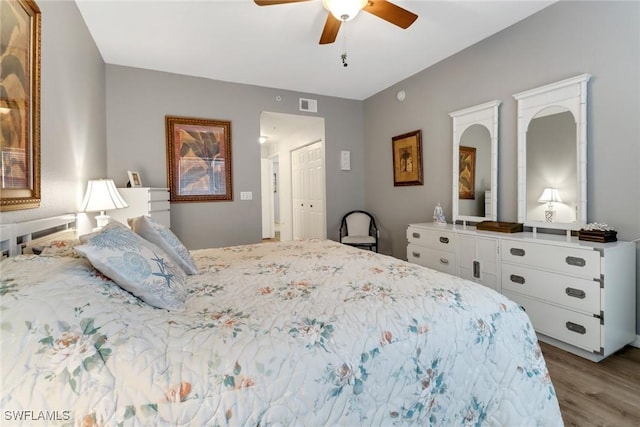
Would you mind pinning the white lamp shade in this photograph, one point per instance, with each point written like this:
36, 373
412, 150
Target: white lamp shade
550, 195
344, 10
102, 195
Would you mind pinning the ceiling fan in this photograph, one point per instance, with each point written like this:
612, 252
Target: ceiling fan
345, 10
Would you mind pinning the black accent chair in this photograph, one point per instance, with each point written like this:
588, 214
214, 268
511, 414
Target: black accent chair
358, 228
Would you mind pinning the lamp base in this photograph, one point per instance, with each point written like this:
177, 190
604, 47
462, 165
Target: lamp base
101, 220
549, 216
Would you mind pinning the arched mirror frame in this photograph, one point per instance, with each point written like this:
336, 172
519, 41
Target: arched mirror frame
486, 115
569, 94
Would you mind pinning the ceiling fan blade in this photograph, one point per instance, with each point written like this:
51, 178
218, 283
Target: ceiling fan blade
391, 13
330, 30
272, 2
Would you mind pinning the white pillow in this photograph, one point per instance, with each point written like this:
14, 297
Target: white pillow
136, 265
164, 238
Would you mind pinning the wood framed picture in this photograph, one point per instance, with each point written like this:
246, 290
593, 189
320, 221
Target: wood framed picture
467, 177
134, 179
20, 105
198, 159
407, 158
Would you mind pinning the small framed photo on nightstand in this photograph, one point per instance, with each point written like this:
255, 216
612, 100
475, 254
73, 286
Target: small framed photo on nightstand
134, 179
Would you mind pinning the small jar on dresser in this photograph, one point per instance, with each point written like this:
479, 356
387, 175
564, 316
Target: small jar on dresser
144, 201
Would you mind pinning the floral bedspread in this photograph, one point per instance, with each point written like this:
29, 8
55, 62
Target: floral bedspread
302, 333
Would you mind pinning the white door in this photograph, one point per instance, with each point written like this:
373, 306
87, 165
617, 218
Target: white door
268, 231
307, 183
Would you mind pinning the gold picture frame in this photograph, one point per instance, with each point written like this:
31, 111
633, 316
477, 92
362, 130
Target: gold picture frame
407, 159
20, 105
198, 159
467, 174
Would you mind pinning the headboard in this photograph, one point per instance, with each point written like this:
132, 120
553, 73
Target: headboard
14, 236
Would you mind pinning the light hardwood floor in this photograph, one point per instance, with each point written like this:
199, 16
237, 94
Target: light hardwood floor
596, 394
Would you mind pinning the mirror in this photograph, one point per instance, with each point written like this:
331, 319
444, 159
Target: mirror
475, 163
552, 167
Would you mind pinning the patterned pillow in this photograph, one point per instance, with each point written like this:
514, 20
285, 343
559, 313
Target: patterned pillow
58, 248
136, 265
164, 238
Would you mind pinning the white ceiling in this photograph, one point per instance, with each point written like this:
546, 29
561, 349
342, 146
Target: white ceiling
277, 46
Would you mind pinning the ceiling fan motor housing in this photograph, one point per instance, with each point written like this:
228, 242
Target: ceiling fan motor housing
344, 10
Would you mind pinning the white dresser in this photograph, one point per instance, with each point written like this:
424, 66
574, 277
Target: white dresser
461, 251
579, 295
144, 201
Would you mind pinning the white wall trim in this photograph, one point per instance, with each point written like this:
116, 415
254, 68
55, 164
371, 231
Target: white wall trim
636, 343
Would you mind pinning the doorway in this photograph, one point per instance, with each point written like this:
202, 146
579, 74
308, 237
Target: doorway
284, 134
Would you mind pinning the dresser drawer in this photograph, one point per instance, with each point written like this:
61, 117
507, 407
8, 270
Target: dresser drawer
158, 195
159, 206
428, 257
568, 291
573, 261
436, 239
574, 328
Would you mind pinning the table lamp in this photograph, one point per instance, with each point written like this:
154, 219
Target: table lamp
550, 196
102, 196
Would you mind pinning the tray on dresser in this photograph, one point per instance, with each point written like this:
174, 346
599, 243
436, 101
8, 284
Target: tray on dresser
600, 236
500, 226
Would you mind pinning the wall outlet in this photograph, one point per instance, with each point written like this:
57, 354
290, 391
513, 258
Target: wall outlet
246, 195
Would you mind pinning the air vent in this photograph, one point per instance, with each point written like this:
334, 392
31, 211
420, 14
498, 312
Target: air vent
309, 105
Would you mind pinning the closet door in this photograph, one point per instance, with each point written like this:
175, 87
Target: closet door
307, 170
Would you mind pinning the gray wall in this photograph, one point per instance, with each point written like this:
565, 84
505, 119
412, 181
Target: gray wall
563, 40
73, 127
137, 102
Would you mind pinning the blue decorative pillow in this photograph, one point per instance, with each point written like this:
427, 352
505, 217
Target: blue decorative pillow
136, 265
164, 238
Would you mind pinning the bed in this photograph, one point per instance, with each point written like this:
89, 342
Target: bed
291, 333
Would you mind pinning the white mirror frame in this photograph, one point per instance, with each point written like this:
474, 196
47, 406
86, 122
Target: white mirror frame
570, 94
486, 115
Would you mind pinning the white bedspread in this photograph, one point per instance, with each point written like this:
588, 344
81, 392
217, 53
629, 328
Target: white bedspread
295, 333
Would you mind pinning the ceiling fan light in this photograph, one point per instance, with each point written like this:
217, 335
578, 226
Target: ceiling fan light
344, 10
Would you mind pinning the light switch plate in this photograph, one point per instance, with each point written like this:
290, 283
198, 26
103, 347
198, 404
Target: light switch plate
246, 195
345, 160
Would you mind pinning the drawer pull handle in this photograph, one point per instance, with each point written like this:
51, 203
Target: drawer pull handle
575, 261
415, 254
416, 235
517, 279
444, 261
444, 240
476, 269
576, 293
574, 327
516, 251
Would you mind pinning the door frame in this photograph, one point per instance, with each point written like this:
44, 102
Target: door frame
312, 129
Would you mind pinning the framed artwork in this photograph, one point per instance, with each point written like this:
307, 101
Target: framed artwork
407, 158
467, 168
198, 159
20, 105
134, 179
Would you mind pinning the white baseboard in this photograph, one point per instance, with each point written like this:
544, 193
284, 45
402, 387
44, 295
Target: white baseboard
636, 343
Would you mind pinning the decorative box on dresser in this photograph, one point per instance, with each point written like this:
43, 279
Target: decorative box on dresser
579, 295
144, 201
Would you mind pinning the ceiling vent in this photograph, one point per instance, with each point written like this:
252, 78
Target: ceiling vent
309, 105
